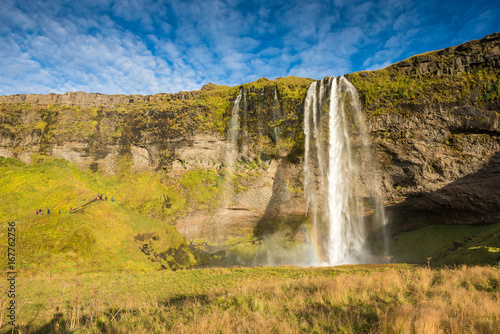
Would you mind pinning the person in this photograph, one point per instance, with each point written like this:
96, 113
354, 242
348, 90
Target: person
454, 222
36, 212
112, 198
59, 211
40, 211
106, 197
48, 211
482, 220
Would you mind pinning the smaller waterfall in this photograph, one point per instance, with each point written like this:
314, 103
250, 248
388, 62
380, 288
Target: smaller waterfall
232, 149
276, 108
233, 131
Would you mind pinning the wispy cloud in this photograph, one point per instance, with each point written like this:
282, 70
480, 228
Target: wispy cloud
151, 46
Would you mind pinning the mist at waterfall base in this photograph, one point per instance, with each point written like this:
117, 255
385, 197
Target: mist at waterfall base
342, 184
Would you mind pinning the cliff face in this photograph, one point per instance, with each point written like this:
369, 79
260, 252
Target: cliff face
89, 100
94, 130
433, 119
175, 135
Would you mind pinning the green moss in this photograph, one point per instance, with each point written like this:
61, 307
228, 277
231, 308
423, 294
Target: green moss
390, 90
269, 124
124, 163
102, 234
448, 245
202, 188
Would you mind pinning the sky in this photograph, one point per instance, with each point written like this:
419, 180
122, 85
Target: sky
161, 46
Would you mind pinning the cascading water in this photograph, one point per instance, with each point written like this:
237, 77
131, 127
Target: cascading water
233, 131
231, 153
333, 186
275, 110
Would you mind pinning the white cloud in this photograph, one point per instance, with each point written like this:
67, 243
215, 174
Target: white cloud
151, 46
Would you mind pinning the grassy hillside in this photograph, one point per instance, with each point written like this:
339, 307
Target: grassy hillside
104, 235
448, 245
347, 299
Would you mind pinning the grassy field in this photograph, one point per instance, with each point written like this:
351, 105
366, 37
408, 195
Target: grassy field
345, 299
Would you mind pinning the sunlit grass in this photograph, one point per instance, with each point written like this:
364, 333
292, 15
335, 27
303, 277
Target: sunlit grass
351, 299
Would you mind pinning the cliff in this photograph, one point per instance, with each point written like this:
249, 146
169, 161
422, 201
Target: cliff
433, 119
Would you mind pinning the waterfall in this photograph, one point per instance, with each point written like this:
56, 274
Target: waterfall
233, 131
313, 159
275, 110
232, 149
335, 179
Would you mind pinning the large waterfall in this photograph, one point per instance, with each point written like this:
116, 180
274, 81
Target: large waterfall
342, 184
341, 181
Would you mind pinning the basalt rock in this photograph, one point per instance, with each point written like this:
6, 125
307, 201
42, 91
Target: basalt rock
93, 100
458, 59
435, 126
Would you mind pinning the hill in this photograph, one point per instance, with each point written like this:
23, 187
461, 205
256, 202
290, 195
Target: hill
103, 235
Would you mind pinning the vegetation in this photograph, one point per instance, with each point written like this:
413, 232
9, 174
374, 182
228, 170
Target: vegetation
106, 235
348, 299
169, 116
391, 91
102, 235
448, 245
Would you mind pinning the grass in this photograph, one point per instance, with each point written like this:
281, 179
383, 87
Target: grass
448, 245
102, 236
346, 299
98, 238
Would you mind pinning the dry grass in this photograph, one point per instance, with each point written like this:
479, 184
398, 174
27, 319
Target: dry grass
379, 299
449, 301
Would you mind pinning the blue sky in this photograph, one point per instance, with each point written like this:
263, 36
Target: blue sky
154, 46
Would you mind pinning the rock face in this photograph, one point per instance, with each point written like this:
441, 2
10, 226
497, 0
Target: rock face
459, 59
436, 128
89, 100
434, 120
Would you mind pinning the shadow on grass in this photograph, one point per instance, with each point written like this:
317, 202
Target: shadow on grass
106, 322
61, 324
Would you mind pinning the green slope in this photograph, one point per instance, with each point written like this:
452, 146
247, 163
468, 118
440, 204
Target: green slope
104, 235
448, 245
